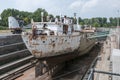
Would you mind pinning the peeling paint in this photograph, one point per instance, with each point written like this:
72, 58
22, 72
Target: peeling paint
52, 45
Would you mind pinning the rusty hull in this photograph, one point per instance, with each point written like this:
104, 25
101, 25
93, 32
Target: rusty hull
48, 46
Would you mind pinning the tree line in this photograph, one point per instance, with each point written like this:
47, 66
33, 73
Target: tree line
22, 15
36, 16
100, 22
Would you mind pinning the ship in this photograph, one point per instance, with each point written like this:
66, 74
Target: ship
53, 39
59, 40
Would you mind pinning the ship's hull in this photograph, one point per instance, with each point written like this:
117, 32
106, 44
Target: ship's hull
66, 46
66, 57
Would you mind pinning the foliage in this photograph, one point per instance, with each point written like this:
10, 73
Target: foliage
99, 22
36, 16
22, 15
3, 28
6, 13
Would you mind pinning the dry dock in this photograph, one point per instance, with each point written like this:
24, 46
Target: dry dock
14, 57
77, 66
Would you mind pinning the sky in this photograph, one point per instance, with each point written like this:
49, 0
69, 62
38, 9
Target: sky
83, 8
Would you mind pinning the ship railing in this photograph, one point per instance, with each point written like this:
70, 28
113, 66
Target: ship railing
56, 32
52, 23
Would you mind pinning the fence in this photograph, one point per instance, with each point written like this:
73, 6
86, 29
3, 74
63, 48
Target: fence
91, 75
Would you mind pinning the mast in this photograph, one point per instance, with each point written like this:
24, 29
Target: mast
76, 21
74, 18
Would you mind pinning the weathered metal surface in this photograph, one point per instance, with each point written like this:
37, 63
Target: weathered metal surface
44, 45
52, 45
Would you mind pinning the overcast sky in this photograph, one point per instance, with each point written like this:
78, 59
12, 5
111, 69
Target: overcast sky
83, 8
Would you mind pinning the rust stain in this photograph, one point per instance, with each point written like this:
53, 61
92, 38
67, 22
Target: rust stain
36, 52
69, 49
53, 45
53, 51
30, 37
35, 44
43, 37
62, 41
33, 51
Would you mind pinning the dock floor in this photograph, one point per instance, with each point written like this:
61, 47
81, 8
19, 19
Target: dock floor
28, 75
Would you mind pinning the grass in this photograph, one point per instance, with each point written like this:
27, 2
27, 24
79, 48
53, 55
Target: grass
5, 31
3, 28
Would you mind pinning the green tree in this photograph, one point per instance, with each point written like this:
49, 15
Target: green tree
86, 21
37, 15
6, 13
82, 23
15, 13
96, 25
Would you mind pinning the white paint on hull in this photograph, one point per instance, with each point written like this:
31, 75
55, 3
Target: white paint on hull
47, 46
